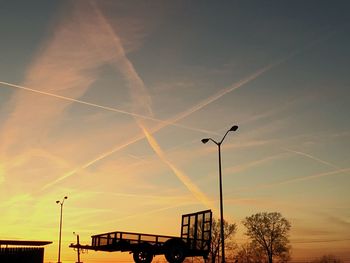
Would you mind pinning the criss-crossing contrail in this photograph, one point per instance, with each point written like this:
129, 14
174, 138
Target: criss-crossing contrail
142, 101
163, 124
103, 107
171, 121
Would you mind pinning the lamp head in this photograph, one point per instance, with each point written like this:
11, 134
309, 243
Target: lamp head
205, 140
57, 202
65, 197
234, 128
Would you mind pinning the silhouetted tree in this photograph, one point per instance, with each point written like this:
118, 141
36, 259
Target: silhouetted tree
247, 253
229, 231
327, 259
269, 233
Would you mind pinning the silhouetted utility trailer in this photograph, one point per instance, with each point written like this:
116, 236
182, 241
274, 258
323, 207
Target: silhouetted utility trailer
194, 240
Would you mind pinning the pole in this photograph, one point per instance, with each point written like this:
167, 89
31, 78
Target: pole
205, 140
78, 249
221, 210
59, 239
60, 235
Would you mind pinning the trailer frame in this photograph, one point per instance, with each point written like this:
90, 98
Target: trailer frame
194, 240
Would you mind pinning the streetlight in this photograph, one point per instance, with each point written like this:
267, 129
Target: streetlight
59, 241
233, 128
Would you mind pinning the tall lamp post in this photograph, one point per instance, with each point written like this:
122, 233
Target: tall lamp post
233, 128
60, 235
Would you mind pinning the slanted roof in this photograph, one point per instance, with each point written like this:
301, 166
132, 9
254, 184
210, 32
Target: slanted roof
24, 243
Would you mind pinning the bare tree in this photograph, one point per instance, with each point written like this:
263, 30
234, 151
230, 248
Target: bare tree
269, 232
247, 253
229, 231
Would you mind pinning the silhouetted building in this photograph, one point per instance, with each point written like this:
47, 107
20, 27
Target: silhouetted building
20, 251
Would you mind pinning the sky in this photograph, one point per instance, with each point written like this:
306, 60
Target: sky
106, 102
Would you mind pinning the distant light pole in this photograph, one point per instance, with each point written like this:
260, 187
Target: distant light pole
59, 240
233, 128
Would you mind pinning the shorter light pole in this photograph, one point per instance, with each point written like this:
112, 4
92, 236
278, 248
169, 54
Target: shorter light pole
60, 235
233, 128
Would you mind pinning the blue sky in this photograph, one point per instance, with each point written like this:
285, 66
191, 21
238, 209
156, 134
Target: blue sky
107, 102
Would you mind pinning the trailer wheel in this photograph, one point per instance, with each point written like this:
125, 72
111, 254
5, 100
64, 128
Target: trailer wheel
175, 252
143, 254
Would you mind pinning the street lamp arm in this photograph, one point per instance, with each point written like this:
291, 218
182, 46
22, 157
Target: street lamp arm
217, 143
223, 138
209, 139
233, 128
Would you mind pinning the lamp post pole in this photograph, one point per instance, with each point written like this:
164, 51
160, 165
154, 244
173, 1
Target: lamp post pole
233, 128
60, 234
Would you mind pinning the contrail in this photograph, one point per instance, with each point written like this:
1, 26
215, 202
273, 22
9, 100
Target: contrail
305, 178
160, 125
156, 197
154, 211
219, 94
299, 179
245, 166
142, 101
137, 87
312, 157
236, 85
184, 114
200, 196
91, 162
103, 107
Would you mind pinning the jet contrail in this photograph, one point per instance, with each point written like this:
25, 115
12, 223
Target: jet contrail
103, 107
299, 179
182, 115
306, 178
312, 157
142, 101
199, 195
161, 125
154, 211
91, 162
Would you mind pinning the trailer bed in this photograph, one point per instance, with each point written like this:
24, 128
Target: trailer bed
123, 241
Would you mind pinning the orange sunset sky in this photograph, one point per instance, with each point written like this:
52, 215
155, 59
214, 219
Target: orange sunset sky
107, 102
